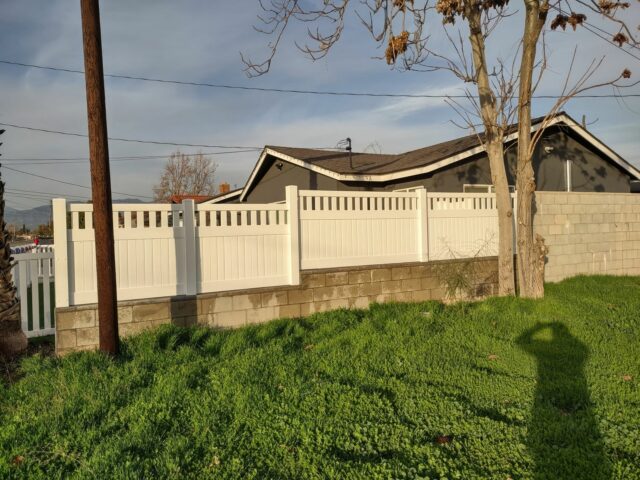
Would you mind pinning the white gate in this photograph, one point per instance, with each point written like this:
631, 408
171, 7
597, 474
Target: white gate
33, 275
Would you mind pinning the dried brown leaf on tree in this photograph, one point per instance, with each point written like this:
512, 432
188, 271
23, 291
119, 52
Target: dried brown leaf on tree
449, 9
608, 6
576, 19
620, 38
560, 21
626, 73
397, 45
402, 4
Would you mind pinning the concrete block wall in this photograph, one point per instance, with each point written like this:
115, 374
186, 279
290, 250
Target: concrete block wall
589, 233
319, 291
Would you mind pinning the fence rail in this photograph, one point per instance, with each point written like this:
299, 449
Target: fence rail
166, 250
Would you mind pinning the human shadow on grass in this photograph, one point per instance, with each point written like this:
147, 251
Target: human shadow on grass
563, 435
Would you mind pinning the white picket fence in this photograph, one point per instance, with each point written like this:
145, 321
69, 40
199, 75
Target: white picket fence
166, 250
33, 275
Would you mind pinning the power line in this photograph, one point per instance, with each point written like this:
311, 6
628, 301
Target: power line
288, 90
19, 191
129, 157
587, 27
19, 204
69, 183
155, 142
41, 197
119, 139
24, 196
75, 160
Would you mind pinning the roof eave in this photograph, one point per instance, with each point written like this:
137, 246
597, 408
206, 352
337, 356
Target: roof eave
224, 196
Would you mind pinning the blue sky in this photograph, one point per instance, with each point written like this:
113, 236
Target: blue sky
200, 41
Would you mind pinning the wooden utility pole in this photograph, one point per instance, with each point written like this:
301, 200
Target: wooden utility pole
100, 177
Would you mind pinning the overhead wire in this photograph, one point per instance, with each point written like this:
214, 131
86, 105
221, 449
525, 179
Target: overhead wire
590, 28
283, 90
75, 160
71, 183
127, 157
121, 139
18, 191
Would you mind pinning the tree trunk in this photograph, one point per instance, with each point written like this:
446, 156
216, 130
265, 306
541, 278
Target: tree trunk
530, 274
540, 252
506, 278
12, 339
494, 138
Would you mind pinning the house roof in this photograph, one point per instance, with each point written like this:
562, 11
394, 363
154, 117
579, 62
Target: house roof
372, 167
224, 196
195, 198
376, 164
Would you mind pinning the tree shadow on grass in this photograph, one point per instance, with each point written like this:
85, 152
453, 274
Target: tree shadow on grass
563, 435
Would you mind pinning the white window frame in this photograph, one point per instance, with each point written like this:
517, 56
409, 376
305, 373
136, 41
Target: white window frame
489, 188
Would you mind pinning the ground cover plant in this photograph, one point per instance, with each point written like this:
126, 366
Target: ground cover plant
504, 388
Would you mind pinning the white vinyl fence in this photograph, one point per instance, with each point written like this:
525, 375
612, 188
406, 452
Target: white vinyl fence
33, 274
463, 225
339, 229
166, 250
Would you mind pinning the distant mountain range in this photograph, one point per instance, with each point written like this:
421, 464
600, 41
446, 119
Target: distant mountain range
39, 215
30, 218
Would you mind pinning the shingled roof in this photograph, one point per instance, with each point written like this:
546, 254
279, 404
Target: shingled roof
378, 164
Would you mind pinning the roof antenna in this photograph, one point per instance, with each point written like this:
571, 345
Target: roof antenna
584, 122
346, 144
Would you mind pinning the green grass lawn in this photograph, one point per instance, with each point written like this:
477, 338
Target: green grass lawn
504, 388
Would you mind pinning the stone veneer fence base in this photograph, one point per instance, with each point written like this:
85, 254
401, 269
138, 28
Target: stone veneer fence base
320, 290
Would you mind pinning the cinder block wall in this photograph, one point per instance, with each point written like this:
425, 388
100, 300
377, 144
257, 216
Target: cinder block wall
320, 290
589, 233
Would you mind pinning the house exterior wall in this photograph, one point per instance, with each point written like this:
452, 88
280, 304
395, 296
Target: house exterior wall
320, 290
589, 172
271, 186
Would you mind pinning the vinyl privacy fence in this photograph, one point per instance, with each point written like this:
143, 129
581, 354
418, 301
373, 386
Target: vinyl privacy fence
33, 275
167, 250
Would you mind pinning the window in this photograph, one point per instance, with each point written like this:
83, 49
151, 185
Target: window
482, 188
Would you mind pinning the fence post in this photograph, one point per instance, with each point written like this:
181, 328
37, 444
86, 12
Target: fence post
423, 225
191, 268
60, 242
294, 234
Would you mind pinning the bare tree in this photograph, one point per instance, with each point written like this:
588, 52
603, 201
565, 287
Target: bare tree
186, 175
400, 25
531, 252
